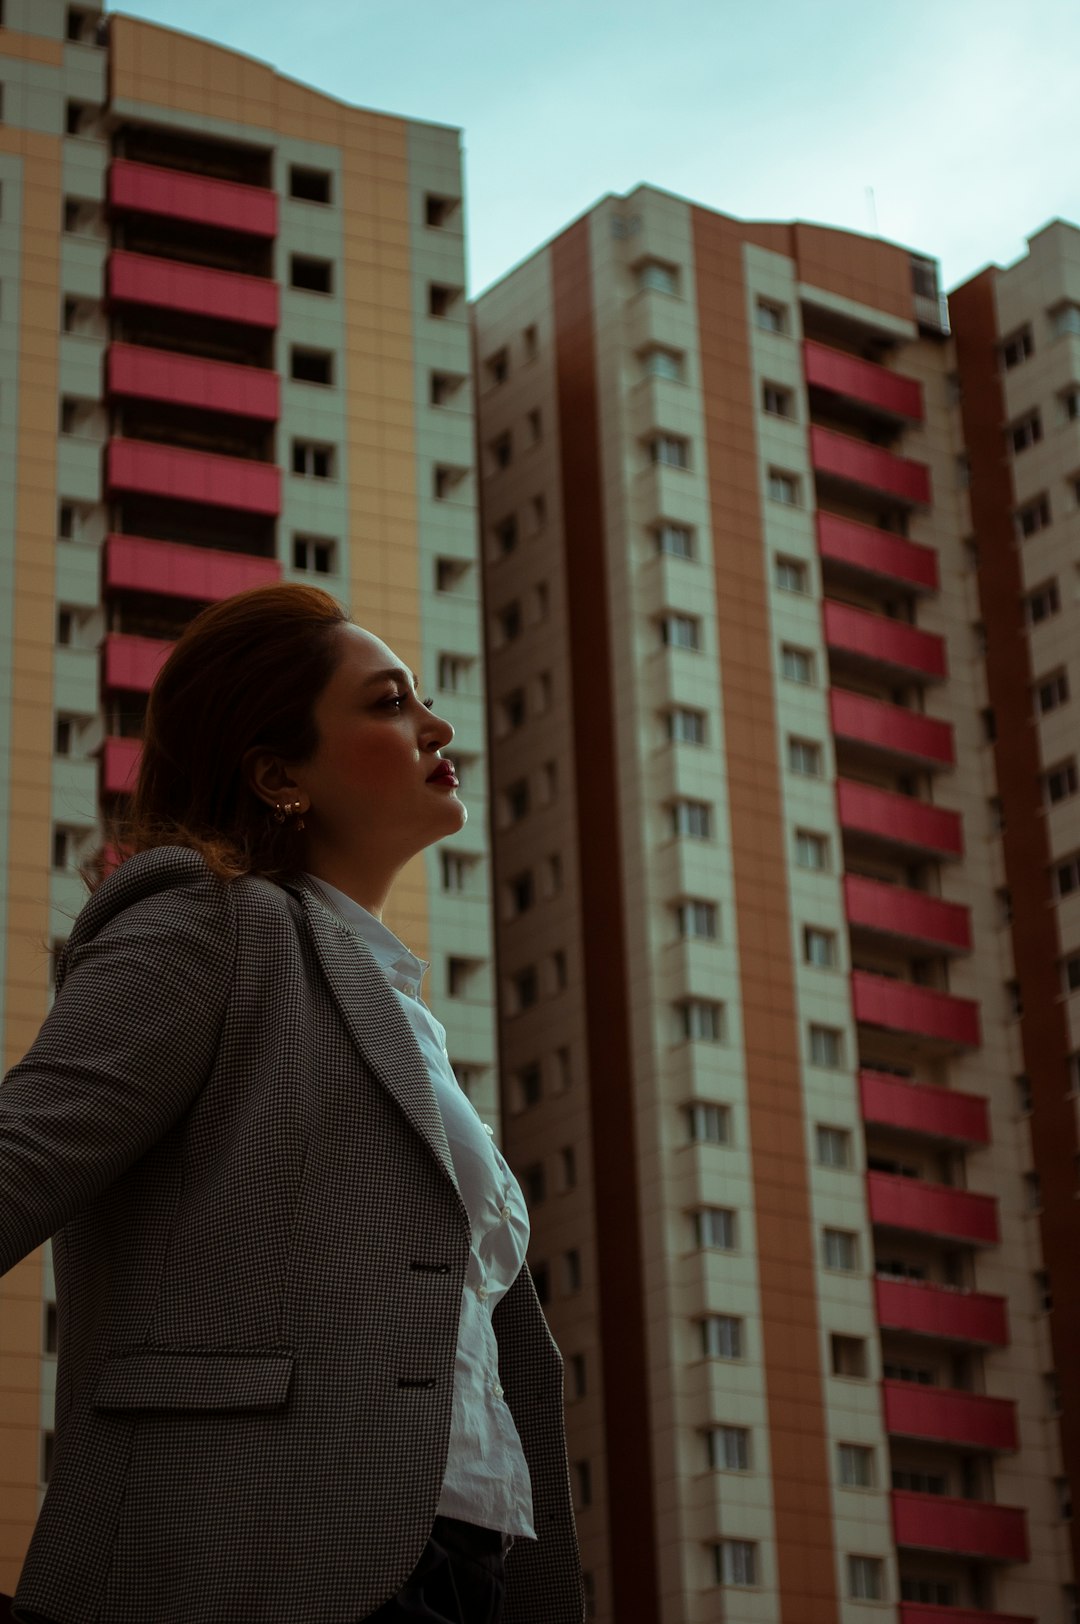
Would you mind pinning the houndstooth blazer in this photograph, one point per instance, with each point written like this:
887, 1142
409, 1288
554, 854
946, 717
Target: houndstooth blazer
228, 1129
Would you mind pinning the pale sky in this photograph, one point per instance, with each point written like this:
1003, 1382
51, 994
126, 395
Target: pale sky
960, 115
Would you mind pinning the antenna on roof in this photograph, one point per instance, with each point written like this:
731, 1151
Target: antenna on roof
872, 206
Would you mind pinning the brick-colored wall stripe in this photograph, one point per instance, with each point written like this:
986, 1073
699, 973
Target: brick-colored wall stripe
791, 1339
627, 1441
1044, 1026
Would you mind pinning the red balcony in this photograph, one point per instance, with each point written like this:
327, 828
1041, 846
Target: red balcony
973, 1528
907, 918
226, 204
878, 643
942, 1415
890, 730
863, 382
941, 1312
169, 284
140, 373
938, 1210
120, 765
863, 552
146, 468
918, 1612
941, 1114
898, 820
174, 570
869, 467
922, 1012
132, 663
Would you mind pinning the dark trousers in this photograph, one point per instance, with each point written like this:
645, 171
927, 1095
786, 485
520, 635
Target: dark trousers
458, 1579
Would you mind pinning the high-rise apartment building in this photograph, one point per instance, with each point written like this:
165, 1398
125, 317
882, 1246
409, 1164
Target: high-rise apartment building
763, 1032
235, 350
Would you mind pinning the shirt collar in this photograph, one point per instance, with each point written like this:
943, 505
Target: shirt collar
403, 969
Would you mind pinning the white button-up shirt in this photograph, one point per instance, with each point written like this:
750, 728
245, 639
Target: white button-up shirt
487, 1477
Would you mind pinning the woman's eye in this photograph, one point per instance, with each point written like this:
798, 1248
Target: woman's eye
398, 698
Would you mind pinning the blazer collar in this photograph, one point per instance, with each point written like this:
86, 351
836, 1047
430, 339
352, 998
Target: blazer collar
376, 1022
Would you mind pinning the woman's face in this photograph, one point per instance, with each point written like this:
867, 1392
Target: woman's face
371, 807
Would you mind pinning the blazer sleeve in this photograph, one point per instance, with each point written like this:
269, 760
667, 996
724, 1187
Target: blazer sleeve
124, 1051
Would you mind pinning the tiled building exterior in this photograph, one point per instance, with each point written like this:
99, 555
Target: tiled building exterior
752, 917
235, 351
754, 718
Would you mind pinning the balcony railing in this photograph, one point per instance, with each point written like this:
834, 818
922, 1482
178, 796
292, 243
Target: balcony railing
140, 373
120, 765
861, 550
899, 820
923, 1111
943, 1312
905, 916
175, 570
147, 468
170, 284
869, 467
944, 1415
864, 382
878, 643
901, 1006
178, 195
972, 1528
890, 730
918, 1612
132, 663
922, 1208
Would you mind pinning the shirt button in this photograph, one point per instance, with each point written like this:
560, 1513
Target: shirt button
488, 1128
504, 1213
497, 1390
482, 1292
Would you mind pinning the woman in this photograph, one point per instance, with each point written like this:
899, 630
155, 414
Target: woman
303, 1374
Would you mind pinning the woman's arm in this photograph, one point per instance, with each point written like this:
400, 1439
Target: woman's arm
125, 1049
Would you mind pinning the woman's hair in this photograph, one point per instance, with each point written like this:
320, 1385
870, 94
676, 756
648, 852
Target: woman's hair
245, 672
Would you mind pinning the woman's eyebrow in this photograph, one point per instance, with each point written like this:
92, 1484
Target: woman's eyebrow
392, 671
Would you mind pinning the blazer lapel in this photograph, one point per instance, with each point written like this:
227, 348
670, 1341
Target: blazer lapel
376, 1023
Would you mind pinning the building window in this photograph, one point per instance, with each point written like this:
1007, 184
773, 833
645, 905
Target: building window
721, 1336
1043, 602
848, 1355
576, 1366
63, 736
715, 1227
439, 211
826, 1047
804, 756
1051, 692
501, 450
701, 1020
1026, 432
1032, 1192
698, 920
539, 1272
670, 450
568, 1167
314, 553
728, 1449
1065, 318
1043, 1298
445, 387
791, 575
572, 1269
819, 947
833, 1146
313, 275
771, 317
534, 424
680, 631
442, 300
51, 1338
677, 540
497, 367
856, 1466
736, 1562
445, 480
776, 401
310, 185
797, 664
311, 366
709, 1124
1071, 973
656, 274
534, 1181
811, 850
783, 488
1033, 516
1017, 347
1067, 876
866, 1578
312, 461
1060, 782
46, 1456
658, 363
840, 1249
583, 1478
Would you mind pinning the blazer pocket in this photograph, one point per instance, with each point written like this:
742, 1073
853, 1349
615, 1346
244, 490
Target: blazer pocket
159, 1379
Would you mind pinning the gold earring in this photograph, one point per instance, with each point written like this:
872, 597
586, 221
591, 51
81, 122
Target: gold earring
281, 814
